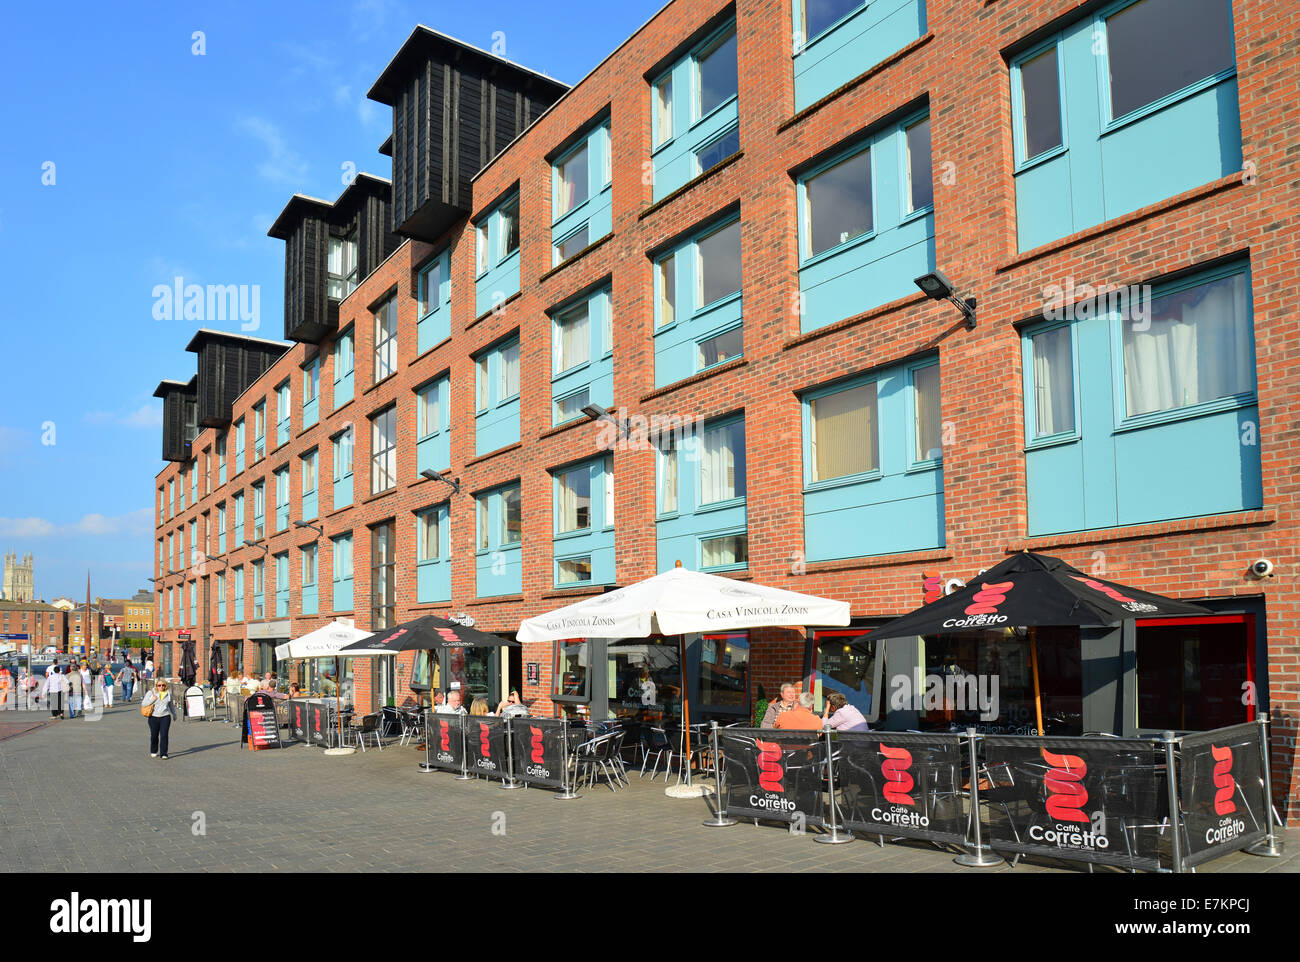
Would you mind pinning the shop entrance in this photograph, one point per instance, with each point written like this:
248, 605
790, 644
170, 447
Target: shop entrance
1195, 674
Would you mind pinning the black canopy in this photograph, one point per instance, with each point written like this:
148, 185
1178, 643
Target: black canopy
428, 633
1028, 590
189, 663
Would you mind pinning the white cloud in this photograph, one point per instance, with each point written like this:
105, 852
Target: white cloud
133, 524
147, 415
283, 164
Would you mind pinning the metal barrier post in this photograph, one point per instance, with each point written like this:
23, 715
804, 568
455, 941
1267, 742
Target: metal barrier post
978, 858
426, 765
1270, 846
509, 781
836, 837
719, 819
1172, 786
568, 791
464, 775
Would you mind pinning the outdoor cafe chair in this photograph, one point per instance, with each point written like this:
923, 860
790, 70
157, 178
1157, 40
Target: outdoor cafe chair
367, 725
655, 741
595, 755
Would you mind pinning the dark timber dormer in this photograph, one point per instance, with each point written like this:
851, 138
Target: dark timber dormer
455, 107
228, 364
329, 250
180, 417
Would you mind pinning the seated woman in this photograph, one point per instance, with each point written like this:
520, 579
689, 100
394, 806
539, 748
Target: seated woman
479, 707
842, 716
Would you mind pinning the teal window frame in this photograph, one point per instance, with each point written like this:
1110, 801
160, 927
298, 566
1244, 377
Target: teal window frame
311, 405
345, 365
283, 497
1018, 127
310, 498
1029, 385
805, 403
913, 462
283, 412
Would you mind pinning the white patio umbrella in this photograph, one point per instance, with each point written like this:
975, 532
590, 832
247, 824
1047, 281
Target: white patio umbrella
327, 642
681, 602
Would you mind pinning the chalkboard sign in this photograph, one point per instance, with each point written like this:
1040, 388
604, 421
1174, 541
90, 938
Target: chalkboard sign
263, 729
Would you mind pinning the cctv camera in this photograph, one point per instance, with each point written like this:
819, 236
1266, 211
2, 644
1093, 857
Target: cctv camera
1263, 568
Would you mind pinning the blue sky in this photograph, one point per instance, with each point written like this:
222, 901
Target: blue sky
166, 163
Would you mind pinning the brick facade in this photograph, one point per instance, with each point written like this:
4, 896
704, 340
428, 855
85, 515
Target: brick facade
958, 66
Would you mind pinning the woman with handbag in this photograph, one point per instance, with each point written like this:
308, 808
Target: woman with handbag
157, 707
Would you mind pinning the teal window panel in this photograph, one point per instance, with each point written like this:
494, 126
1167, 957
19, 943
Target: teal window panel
241, 599
877, 265
583, 554
221, 612
697, 115
590, 380
310, 599
583, 198
310, 505
1105, 166
433, 555
696, 319
342, 568
498, 562
864, 34
497, 255
343, 594
433, 426
194, 483
496, 418
1113, 469
311, 394
434, 295
342, 454
342, 491
691, 518
896, 502
345, 361
281, 500
239, 446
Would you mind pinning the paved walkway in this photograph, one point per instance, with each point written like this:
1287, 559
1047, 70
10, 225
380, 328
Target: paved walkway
213, 806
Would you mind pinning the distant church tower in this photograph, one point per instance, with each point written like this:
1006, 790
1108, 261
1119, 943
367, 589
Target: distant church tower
19, 578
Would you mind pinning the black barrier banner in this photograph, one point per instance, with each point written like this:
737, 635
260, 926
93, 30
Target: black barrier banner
485, 745
773, 774
538, 750
900, 783
260, 722
1101, 800
298, 719
318, 723
1222, 789
445, 741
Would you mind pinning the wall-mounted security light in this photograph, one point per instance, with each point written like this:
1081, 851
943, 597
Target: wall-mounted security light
937, 287
432, 475
308, 524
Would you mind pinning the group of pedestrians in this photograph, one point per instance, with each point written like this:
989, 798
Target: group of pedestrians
72, 687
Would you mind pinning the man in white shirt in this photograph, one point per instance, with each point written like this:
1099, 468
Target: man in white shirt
452, 705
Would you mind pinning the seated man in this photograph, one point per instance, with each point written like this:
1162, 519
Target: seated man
512, 707
800, 717
452, 705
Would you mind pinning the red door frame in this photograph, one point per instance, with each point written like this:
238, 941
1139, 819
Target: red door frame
1247, 619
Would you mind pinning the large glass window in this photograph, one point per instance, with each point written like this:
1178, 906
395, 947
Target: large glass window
383, 447
719, 263
386, 339
383, 577
1040, 93
1197, 345
1191, 675
843, 429
724, 672
820, 15
927, 427
572, 338
919, 173
1156, 47
509, 371
512, 527
717, 73
573, 499
570, 678
1053, 382
428, 535
342, 266
571, 181
722, 463
645, 680
837, 203
724, 551
846, 667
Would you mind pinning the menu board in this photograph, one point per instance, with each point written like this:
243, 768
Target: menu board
263, 729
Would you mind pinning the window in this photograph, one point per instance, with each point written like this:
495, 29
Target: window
383, 447
717, 73
221, 459
427, 414
719, 263
573, 571
927, 428
383, 577
221, 529
259, 589
663, 110
259, 430
1196, 346
572, 339
428, 536
571, 176
386, 339
282, 413
837, 203
484, 504
512, 527
259, 510
732, 549
1053, 378
310, 474
1156, 47
239, 446
843, 433
310, 390
1040, 103
310, 599
344, 365
482, 386
820, 15
570, 406
342, 268
343, 449
668, 477
570, 245
609, 491
717, 150
919, 175
430, 287
342, 567
722, 463
281, 499
509, 228
509, 371
721, 347
482, 234
573, 500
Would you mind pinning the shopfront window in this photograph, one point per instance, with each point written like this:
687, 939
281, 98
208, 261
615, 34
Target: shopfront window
645, 680
420, 672
572, 676
959, 670
846, 667
1192, 673
724, 673
476, 670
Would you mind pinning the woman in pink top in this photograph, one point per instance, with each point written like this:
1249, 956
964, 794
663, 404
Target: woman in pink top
842, 716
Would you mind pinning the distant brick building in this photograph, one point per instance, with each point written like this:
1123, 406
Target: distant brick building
719, 230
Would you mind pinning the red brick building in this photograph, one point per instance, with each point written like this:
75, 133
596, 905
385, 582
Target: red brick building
566, 246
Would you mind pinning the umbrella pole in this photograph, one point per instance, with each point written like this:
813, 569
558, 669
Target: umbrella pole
1038, 693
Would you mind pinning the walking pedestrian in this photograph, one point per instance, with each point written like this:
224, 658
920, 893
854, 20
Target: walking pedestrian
76, 690
158, 704
108, 680
56, 685
128, 681
87, 687
148, 668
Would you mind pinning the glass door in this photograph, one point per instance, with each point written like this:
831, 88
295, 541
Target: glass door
1195, 674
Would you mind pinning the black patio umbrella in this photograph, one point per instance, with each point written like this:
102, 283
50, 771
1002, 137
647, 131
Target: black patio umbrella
189, 663
216, 670
428, 633
1030, 590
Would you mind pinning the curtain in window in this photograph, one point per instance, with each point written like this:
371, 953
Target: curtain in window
668, 480
1053, 383
925, 385
430, 420
575, 341
716, 552
1198, 347
509, 371
429, 536
844, 433
483, 506
722, 466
